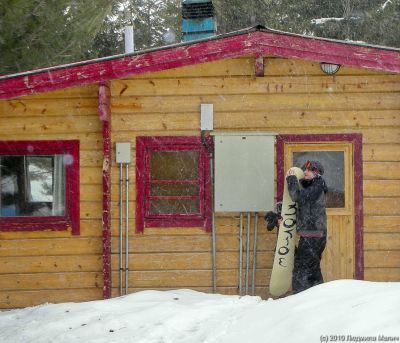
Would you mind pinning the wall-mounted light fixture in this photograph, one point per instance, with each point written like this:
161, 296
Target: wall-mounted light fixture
329, 68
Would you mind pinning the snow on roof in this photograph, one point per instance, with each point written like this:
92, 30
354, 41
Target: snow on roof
321, 21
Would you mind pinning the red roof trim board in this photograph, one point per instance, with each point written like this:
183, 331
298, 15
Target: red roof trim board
256, 41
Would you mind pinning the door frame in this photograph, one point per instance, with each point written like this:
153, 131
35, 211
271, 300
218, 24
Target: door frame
356, 140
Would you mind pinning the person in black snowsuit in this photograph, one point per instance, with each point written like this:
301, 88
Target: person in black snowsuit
311, 224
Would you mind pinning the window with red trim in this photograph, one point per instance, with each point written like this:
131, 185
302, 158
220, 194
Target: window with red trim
39, 185
173, 183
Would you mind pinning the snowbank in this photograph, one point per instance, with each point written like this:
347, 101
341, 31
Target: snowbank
345, 310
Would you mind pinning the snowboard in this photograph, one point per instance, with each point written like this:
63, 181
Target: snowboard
281, 276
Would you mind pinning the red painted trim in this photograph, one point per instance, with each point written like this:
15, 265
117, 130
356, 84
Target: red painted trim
356, 139
144, 146
259, 43
73, 183
176, 222
104, 115
159, 142
72, 212
259, 65
358, 201
37, 147
104, 102
314, 49
280, 172
140, 184
208, 186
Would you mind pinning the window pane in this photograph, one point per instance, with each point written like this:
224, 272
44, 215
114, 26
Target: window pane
174, 189
174, 165
32, 186
169, 206
40, 177
333, 163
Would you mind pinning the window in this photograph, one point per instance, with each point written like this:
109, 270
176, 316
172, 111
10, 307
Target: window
39, 185
333, 162
173, 183
335, 152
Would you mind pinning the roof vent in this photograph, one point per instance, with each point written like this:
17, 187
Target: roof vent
197, 19
197, 10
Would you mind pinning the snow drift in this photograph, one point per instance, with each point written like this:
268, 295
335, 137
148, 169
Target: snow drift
344, 310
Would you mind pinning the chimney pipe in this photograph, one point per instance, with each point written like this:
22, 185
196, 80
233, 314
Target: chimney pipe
198, 20
129, 40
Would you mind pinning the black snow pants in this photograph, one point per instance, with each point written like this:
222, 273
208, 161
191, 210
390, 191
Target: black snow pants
307, 269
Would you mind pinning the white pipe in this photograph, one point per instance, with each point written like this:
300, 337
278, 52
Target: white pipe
240, 253
120, 225
214, 248
129, 40
253, 279
127, 229
247, 253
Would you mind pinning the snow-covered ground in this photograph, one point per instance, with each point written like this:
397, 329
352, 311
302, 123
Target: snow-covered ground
340, 311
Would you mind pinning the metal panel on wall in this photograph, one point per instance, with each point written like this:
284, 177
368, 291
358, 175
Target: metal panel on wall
244, 172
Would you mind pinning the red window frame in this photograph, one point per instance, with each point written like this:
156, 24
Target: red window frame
144, 147
55, 223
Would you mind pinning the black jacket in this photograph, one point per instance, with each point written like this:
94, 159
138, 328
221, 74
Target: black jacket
311, 215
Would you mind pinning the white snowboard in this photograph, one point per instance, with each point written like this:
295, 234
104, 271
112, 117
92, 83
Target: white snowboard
281, 277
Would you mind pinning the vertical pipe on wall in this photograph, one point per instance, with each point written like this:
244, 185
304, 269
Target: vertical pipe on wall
214, 254
240, 253
126, 228
247, 253
214, 248
253, 278
121, 179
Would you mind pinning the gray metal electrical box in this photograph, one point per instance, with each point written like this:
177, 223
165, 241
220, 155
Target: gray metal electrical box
244, 172
123, 152
206, 117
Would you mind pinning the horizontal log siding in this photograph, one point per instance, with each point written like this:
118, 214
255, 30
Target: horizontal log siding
54, 266
294, 97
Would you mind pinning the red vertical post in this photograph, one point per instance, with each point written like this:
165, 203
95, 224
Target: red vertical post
358, 202
104, 112
259, 65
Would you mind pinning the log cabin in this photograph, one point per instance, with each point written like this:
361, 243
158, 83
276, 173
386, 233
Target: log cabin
107, 178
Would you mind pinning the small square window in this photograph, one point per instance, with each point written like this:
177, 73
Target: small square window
173, 183
32, 186
39, 185
333, 162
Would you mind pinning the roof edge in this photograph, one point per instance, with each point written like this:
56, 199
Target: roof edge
255, 28
257, 41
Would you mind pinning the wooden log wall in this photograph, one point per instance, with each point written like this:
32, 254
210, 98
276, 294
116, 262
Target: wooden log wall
51, 266
293, 97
